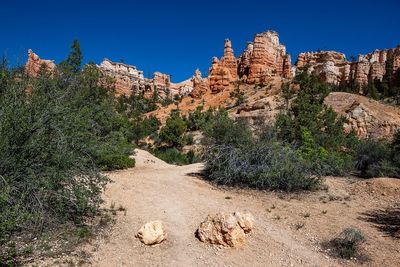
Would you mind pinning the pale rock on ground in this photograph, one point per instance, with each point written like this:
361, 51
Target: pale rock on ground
152, 233
226, 229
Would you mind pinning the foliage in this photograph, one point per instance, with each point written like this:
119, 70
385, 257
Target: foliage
238, 95
54, 138
73, 63
115, 161
110, 132
46, 168
174, 156
378, 158
236, 157
323, 162
198, 120
143, 127
173, 133
347, 244
316, 130
137, 104
222, 130
268, 165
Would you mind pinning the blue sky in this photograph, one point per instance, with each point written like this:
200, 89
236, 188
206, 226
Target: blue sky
176, 37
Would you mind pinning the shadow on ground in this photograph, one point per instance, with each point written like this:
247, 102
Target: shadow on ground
386, 220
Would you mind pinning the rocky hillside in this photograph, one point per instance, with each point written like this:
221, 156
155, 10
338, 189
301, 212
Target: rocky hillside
367, 117
334, 68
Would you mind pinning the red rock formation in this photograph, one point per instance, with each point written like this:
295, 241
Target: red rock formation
228, 60
161, 80
268, 59
335, 69
34, 64
182, 88
223, 72
261, 62
200, 85
220, 77
245, 62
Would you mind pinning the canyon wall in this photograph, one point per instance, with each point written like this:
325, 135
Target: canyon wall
265, 62
128, 79
334, 68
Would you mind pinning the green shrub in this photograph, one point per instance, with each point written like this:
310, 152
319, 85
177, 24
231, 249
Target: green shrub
46, 168
52, 141
223, 130
347, 244
376, 158
143, 127
316, 130
173, 133
322, 161
174, 156
261, 165
197, 119
238, 95
113, 162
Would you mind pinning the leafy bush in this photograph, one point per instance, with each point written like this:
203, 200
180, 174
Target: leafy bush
46, 169
347, 244
377, 158
316, 130
143, 127
112, 162
238, 95
56, 130
174, 156
262, 165
109, 133
223, 130
323, 162
198, 119
235, 156
173, 133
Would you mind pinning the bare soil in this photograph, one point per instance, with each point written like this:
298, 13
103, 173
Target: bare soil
289, 229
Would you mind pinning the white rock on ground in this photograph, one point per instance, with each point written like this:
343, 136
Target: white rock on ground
152, 233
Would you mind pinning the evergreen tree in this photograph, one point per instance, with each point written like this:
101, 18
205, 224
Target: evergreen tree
173, 133
315, 129
73, 63
309, 112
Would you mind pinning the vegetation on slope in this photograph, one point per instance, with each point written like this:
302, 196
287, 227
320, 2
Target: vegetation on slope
58, 131
305, 143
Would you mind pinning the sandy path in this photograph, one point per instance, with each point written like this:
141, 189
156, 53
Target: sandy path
155, 190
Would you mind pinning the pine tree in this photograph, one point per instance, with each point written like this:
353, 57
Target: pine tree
73, 63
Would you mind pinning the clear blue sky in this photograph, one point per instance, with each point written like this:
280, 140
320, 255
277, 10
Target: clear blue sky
176, 37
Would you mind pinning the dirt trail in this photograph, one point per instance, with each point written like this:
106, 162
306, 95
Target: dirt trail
155, 190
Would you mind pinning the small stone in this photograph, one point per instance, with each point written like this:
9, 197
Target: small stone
152, 233
225, 229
